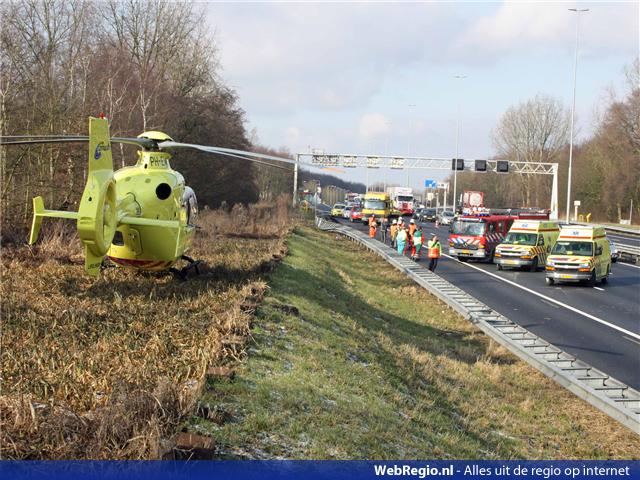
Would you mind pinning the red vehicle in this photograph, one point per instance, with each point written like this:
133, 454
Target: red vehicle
476, 236
355, 215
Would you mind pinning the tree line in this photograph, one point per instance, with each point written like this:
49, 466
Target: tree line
145, 64
605, 166
325, 179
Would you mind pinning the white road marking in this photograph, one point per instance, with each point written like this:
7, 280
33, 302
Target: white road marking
631, 340
552, 300
598, 288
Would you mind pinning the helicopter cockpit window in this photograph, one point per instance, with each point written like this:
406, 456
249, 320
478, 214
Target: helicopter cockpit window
118, 240
163, 191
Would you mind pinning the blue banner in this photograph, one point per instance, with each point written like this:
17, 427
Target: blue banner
311, 470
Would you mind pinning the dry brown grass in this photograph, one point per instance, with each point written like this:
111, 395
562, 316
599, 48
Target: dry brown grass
107, 368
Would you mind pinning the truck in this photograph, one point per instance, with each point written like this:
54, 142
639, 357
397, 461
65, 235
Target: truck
402, 199
378, 204
472, 202
352, 198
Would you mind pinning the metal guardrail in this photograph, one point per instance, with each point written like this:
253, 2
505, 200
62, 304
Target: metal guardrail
628, 231
609, 395
628, 252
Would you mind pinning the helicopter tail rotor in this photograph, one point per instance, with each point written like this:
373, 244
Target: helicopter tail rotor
97, 215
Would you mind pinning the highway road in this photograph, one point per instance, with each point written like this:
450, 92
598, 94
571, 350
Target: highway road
600, 325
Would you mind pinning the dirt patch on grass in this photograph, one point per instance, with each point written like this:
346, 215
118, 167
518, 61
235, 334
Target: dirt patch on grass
108, 368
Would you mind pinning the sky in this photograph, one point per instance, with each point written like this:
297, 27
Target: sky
378, 78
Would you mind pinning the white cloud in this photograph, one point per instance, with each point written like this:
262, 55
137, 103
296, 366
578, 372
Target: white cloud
292, 135
328, 56
306, 73
525, 28
373, 125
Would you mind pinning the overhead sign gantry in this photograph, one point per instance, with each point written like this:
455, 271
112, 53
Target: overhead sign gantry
399, 162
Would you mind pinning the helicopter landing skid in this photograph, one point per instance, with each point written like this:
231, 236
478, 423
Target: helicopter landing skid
183, 272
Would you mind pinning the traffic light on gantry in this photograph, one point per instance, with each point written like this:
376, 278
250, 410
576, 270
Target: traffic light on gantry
457, 164
502, 166
481, 165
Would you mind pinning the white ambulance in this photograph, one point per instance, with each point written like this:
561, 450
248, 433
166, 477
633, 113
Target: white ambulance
581, 253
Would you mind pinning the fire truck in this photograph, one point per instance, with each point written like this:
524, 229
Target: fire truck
476, 236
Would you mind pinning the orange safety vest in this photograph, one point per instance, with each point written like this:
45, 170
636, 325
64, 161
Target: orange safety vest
434, 249
412, 228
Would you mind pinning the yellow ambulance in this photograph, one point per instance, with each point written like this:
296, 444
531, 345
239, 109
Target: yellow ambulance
527, 244
581, 253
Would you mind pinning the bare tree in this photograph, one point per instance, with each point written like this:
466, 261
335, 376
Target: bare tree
153, 34
534, 131
610, 175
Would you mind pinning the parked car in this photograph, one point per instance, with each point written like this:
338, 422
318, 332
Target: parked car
356, 214
417, 215
445, 218
615, 254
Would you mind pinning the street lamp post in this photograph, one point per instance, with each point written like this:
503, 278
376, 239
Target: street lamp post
577, 11
386, 152
409, 141
455, 163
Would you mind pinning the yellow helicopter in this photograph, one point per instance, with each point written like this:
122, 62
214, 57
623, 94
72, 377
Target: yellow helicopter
141, 216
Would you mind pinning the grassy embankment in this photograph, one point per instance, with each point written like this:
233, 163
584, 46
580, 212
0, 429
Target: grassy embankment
108, 368
352, 361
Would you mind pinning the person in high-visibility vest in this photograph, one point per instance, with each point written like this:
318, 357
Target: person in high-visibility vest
401, 240
394, 232
417, 244
373, 225
412, 226
434, 250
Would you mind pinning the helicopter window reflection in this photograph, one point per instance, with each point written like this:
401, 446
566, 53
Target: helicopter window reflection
190, 204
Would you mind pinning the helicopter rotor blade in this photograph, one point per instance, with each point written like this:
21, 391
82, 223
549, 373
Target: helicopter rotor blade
148, 144
261, 162
144, 143
12, 141
222, 151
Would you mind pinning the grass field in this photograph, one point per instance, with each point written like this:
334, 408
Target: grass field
350, 360
108, 368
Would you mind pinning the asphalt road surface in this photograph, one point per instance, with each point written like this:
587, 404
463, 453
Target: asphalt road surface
600, 325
